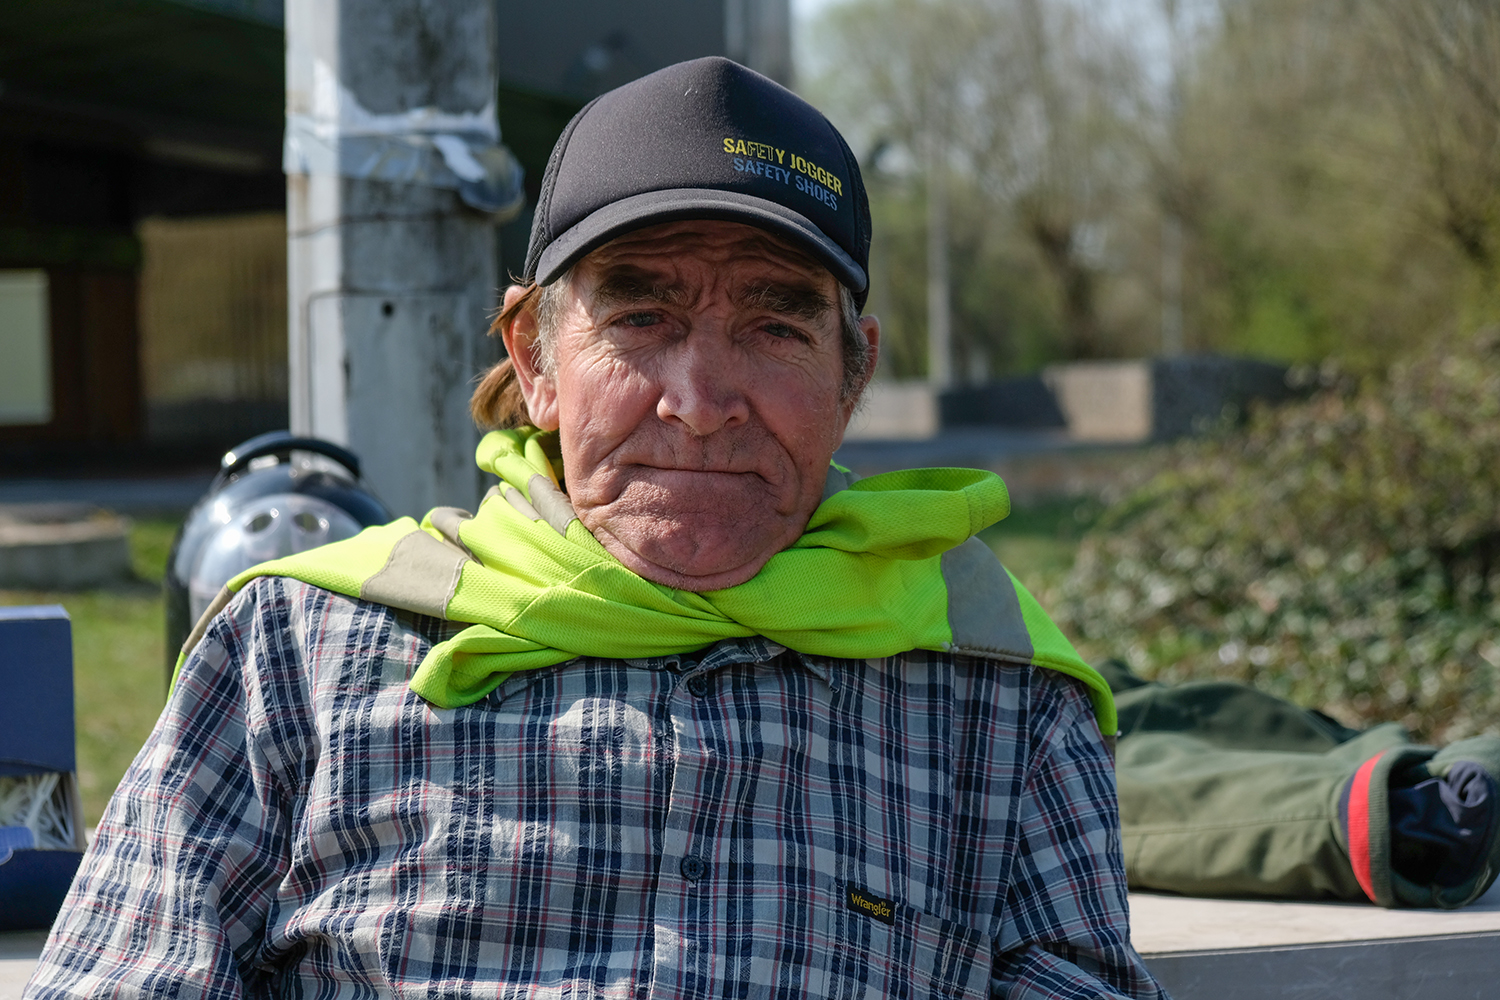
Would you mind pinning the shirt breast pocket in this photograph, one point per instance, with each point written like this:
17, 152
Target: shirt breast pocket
887, 948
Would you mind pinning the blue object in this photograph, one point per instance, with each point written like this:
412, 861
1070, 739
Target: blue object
15, 838
32, 887
36, 737
1440, 828
36, 676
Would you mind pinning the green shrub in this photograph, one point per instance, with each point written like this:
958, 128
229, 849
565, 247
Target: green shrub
1343, 552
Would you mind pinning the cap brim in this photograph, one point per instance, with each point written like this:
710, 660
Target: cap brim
654, 207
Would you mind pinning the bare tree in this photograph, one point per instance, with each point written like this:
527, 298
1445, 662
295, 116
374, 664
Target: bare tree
1442, 64
1056, 142
1311, 215
1026, 100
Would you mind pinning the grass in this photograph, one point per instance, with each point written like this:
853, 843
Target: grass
119, 672
1038, 542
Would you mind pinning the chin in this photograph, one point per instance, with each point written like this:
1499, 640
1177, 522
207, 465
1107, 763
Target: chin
694, 574
705, 584
699, 542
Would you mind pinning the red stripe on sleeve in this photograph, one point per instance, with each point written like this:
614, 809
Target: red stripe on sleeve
1359, 825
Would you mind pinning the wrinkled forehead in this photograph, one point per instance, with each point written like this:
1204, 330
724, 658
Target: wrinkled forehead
692, 251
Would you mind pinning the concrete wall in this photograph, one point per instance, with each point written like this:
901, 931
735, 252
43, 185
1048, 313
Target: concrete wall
1159, 399
1104, 402
1187, 391
895, 411
1023, 402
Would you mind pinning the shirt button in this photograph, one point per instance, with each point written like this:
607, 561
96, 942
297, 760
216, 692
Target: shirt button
693, 868
698, 685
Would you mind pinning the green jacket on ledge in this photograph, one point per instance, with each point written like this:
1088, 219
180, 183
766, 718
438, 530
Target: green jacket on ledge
1227, 791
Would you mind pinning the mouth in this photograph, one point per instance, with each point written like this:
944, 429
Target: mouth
672, 472
699, 486
721, 468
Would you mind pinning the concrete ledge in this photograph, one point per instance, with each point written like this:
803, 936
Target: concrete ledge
1223, 949
61, 546
1438, 968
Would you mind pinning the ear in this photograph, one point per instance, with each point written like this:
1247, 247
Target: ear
870, 327
520, 336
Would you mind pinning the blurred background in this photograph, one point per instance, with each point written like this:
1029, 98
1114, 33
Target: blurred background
1210, 282
1123, 178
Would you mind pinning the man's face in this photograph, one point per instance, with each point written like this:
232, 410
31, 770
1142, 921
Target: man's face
695, 382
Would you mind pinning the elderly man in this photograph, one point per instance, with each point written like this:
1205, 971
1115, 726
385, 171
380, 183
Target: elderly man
683, 710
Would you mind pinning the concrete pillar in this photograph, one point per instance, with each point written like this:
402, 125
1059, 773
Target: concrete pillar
392, 278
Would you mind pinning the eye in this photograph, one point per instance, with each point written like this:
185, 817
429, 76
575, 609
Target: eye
640, 319
781, 331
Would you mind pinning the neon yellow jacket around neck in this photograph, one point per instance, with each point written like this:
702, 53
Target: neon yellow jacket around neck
886, 565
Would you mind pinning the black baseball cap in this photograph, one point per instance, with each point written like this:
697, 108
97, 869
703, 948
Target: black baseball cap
704, 139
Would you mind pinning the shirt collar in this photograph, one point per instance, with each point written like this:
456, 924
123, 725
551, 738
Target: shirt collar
724, 653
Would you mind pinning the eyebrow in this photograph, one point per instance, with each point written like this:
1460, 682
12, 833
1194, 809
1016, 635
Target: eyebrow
626, 286
629, 286
801, 301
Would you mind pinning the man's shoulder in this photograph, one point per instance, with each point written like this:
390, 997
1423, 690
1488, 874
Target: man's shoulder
281, 620
1038, 681
1051, 702
285, 593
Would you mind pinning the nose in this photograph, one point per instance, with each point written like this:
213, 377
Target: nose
701, 384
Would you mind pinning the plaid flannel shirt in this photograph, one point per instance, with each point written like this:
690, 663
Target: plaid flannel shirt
744, 821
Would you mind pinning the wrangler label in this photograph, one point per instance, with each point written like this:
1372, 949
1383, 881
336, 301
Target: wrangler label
871, 905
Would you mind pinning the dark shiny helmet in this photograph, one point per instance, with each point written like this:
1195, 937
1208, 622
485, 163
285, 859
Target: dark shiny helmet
275, 495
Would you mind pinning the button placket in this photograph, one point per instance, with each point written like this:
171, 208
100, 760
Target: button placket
694, 867
688, 845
